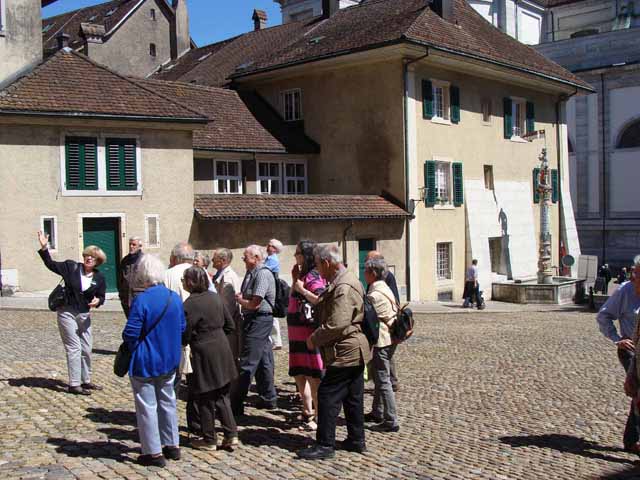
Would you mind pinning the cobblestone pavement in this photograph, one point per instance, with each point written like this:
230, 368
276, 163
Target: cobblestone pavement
487, 396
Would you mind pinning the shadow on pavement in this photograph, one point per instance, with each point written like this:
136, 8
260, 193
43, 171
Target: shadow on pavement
99, 449
37, 382
567, 444
259, 437
120, 434
99, 351
113, 417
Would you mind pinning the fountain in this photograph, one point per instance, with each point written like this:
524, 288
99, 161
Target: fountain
548, 289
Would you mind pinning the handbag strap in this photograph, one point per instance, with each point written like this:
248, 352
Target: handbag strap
164, 310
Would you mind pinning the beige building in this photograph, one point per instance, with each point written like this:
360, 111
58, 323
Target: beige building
133, 37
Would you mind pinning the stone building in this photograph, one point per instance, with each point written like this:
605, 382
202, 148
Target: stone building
427, 105
132, 37
599, 41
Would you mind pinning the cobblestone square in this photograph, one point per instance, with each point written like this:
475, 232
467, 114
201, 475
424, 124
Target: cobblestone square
484, 395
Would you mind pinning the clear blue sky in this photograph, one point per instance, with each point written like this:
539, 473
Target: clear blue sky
210, 20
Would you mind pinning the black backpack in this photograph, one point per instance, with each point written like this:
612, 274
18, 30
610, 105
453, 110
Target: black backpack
402, 328
370, 323
281, 302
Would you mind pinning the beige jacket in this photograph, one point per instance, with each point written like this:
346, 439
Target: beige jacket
340, 313
384, 303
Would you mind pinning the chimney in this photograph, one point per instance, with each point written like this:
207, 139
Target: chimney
63, 40
330, 7
180, 38
259, 19
444, 8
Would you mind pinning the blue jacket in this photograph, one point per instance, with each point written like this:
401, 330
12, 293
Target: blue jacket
159, 353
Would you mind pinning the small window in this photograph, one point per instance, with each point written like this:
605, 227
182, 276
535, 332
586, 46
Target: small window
441, 101
152, 14
269, 179
518, 115
486, 110
122, 164
295, 179
443, 261
81, 163
227, 177
152, 231
152, 49
488, 177
292, 105
50, 227
443, 182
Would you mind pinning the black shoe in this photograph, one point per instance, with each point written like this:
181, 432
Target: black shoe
262, 405
384, 427
371, 418
79, 391
151, 461
317, 452
171, 453
351, 446
91, 386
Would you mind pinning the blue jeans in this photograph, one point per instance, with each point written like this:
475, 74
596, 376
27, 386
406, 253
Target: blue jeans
156, 412
256, 359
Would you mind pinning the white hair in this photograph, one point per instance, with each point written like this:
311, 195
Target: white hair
329, 253
377, 266
277, 244
224, 254
183, 252
135, 239
150, 271
258, 251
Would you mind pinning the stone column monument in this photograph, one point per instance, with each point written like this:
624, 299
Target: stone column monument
545, 271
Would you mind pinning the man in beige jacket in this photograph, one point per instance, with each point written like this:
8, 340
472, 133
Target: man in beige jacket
345, 351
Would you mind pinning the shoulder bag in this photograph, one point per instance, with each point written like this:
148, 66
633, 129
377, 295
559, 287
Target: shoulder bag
123, 357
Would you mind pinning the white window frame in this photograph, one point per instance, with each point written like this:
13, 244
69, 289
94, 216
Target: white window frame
227, 178
446, 165
54, 218
286, 178
269, 178
521, 116
147, 242
449, 278
102, 190
293, 117
445, 117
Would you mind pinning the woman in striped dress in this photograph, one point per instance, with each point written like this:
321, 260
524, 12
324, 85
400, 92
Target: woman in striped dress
305, 365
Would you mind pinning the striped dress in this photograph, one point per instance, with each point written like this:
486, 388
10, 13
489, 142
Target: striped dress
303, 361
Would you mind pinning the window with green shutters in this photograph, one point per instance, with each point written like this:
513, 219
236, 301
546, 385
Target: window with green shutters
427, 99
81, 163
458, 186
443, 183
454, 93
121, 164
508, 119
430, 183
531, 117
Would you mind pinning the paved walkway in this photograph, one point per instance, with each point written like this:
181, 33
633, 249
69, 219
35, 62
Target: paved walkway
528, 395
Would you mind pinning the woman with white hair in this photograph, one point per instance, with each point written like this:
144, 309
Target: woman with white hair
153, 333
272, 262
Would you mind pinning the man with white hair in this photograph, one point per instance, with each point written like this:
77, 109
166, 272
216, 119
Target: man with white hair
624, 306
274, 247
345, 352
181, 259
256, 299
128, 267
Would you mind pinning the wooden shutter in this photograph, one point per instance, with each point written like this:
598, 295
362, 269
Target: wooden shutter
531, 117
454, 98
554, 184
458, 187
536, 194
122, 172
430, 183
508, 118
81, 163
427, 100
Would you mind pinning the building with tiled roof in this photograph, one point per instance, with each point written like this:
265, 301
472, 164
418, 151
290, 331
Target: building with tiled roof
151, 32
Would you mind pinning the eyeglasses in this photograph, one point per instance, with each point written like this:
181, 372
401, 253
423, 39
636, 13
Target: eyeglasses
89, 256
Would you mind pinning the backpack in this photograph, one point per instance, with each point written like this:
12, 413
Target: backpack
402, 328
281, 302
370, 323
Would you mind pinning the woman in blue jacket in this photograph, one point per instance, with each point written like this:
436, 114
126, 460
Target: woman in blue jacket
153, 333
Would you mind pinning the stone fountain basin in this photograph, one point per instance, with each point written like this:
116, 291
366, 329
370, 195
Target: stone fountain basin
562, 291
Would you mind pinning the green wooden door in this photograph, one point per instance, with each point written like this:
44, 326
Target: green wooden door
104, 233
365, 245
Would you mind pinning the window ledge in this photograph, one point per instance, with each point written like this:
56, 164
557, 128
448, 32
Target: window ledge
487, 124
445, 282
517, 139
441, 121
446, 206
101, 193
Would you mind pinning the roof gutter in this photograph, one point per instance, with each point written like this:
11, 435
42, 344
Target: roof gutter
294, 219
246, 150
105, 116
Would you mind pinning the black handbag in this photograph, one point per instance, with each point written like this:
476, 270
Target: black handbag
123, 357
58, 297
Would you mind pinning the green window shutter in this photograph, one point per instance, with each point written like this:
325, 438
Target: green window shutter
554, 184
454, 98
458, 187
81, 163
508, 119
531, 117
536, 194
427, 100
121, 164
430, 183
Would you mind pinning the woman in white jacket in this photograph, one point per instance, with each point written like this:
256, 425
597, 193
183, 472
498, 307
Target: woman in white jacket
383, 411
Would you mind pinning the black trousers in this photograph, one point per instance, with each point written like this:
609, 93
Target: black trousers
207, 405
341, 387
631, 434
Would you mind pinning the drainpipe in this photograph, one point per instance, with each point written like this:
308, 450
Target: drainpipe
407, 193
604, 175
344, 243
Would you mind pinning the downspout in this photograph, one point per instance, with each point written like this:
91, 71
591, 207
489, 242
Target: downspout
344, 243
407, 193
604, 175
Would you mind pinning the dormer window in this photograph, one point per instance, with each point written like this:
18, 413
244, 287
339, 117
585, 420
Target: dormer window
152, 14
292, 105
152, 49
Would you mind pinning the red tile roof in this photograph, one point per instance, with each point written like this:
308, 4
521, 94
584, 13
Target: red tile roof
372, 24
295, 207
238, 122
70, 84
